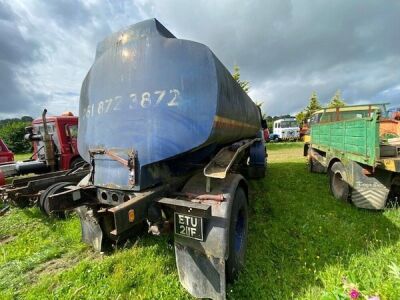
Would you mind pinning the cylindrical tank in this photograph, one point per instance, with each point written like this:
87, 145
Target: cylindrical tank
160, 96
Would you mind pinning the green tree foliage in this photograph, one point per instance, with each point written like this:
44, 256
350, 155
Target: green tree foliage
24, 119
313, 105
300, 117
337, 100
13, 133
243, 83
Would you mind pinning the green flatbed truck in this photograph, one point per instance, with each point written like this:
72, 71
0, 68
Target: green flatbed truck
358, 146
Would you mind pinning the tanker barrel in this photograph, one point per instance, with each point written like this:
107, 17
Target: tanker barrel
163, 98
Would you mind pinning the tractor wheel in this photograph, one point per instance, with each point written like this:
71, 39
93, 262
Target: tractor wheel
339, 186
44, 198
237, 235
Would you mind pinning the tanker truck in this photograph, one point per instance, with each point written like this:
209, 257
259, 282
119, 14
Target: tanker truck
171, 138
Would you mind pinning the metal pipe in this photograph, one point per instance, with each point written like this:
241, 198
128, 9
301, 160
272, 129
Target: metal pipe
48, 144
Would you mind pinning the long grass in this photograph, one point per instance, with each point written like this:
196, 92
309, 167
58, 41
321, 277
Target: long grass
303, 244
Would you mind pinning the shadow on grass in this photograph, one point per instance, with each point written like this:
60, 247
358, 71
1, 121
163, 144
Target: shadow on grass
297, 229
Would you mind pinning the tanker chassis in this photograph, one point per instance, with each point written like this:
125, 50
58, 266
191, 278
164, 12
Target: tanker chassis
168, 134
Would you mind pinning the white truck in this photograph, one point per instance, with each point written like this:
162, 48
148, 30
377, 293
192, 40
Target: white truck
285, 129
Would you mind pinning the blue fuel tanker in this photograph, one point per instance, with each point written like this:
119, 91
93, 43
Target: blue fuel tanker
171, 138
161, 98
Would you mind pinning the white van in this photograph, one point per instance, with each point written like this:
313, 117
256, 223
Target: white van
286, 129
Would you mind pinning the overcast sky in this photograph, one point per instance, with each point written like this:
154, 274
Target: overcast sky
286, 49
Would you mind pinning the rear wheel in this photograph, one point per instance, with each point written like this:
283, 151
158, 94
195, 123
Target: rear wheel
339, 186
44, 198
314, 166
237, 235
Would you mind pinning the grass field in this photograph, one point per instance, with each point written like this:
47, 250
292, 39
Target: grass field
303, 244
22, 156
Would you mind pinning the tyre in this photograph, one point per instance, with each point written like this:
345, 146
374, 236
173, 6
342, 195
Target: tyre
44, 198
314, 166
338, 184
311, 161
305, 149
237, 235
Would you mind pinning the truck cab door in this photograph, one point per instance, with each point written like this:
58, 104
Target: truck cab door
71, 132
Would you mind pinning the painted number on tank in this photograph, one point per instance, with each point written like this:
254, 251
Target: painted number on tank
148, 99
145, 100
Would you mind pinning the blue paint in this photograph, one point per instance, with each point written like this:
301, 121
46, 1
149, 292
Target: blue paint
147, 60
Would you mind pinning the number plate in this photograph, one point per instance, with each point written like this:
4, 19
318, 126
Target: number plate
189, 226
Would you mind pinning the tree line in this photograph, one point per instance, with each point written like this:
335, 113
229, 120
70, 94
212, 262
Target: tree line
314, 105
12, 132
301, 117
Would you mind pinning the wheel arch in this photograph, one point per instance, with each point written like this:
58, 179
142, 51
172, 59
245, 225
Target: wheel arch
332, 161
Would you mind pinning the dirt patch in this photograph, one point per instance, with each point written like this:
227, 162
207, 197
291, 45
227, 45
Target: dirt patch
285, 154
6, 239
57, 265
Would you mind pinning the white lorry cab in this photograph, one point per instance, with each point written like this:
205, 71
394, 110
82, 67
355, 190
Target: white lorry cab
286, 129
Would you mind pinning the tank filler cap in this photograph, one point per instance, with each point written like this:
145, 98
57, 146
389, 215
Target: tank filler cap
67, 114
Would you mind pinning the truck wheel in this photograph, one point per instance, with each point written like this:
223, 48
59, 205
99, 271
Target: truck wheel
305, 149
237, 235
311, 161
44, 200
338, 182
314, 166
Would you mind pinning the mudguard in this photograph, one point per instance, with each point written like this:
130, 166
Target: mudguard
91, 230
201, 265
370, 192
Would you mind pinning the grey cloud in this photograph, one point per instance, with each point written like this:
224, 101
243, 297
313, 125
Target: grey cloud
16, 52
286, 49
283, 46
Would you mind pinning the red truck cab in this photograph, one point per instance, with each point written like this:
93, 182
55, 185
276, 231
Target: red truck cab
63, 130
5, 154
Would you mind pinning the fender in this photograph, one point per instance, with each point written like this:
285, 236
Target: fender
201, 265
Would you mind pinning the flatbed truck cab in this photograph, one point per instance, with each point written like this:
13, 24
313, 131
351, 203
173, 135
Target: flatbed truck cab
359, 148
285, 129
